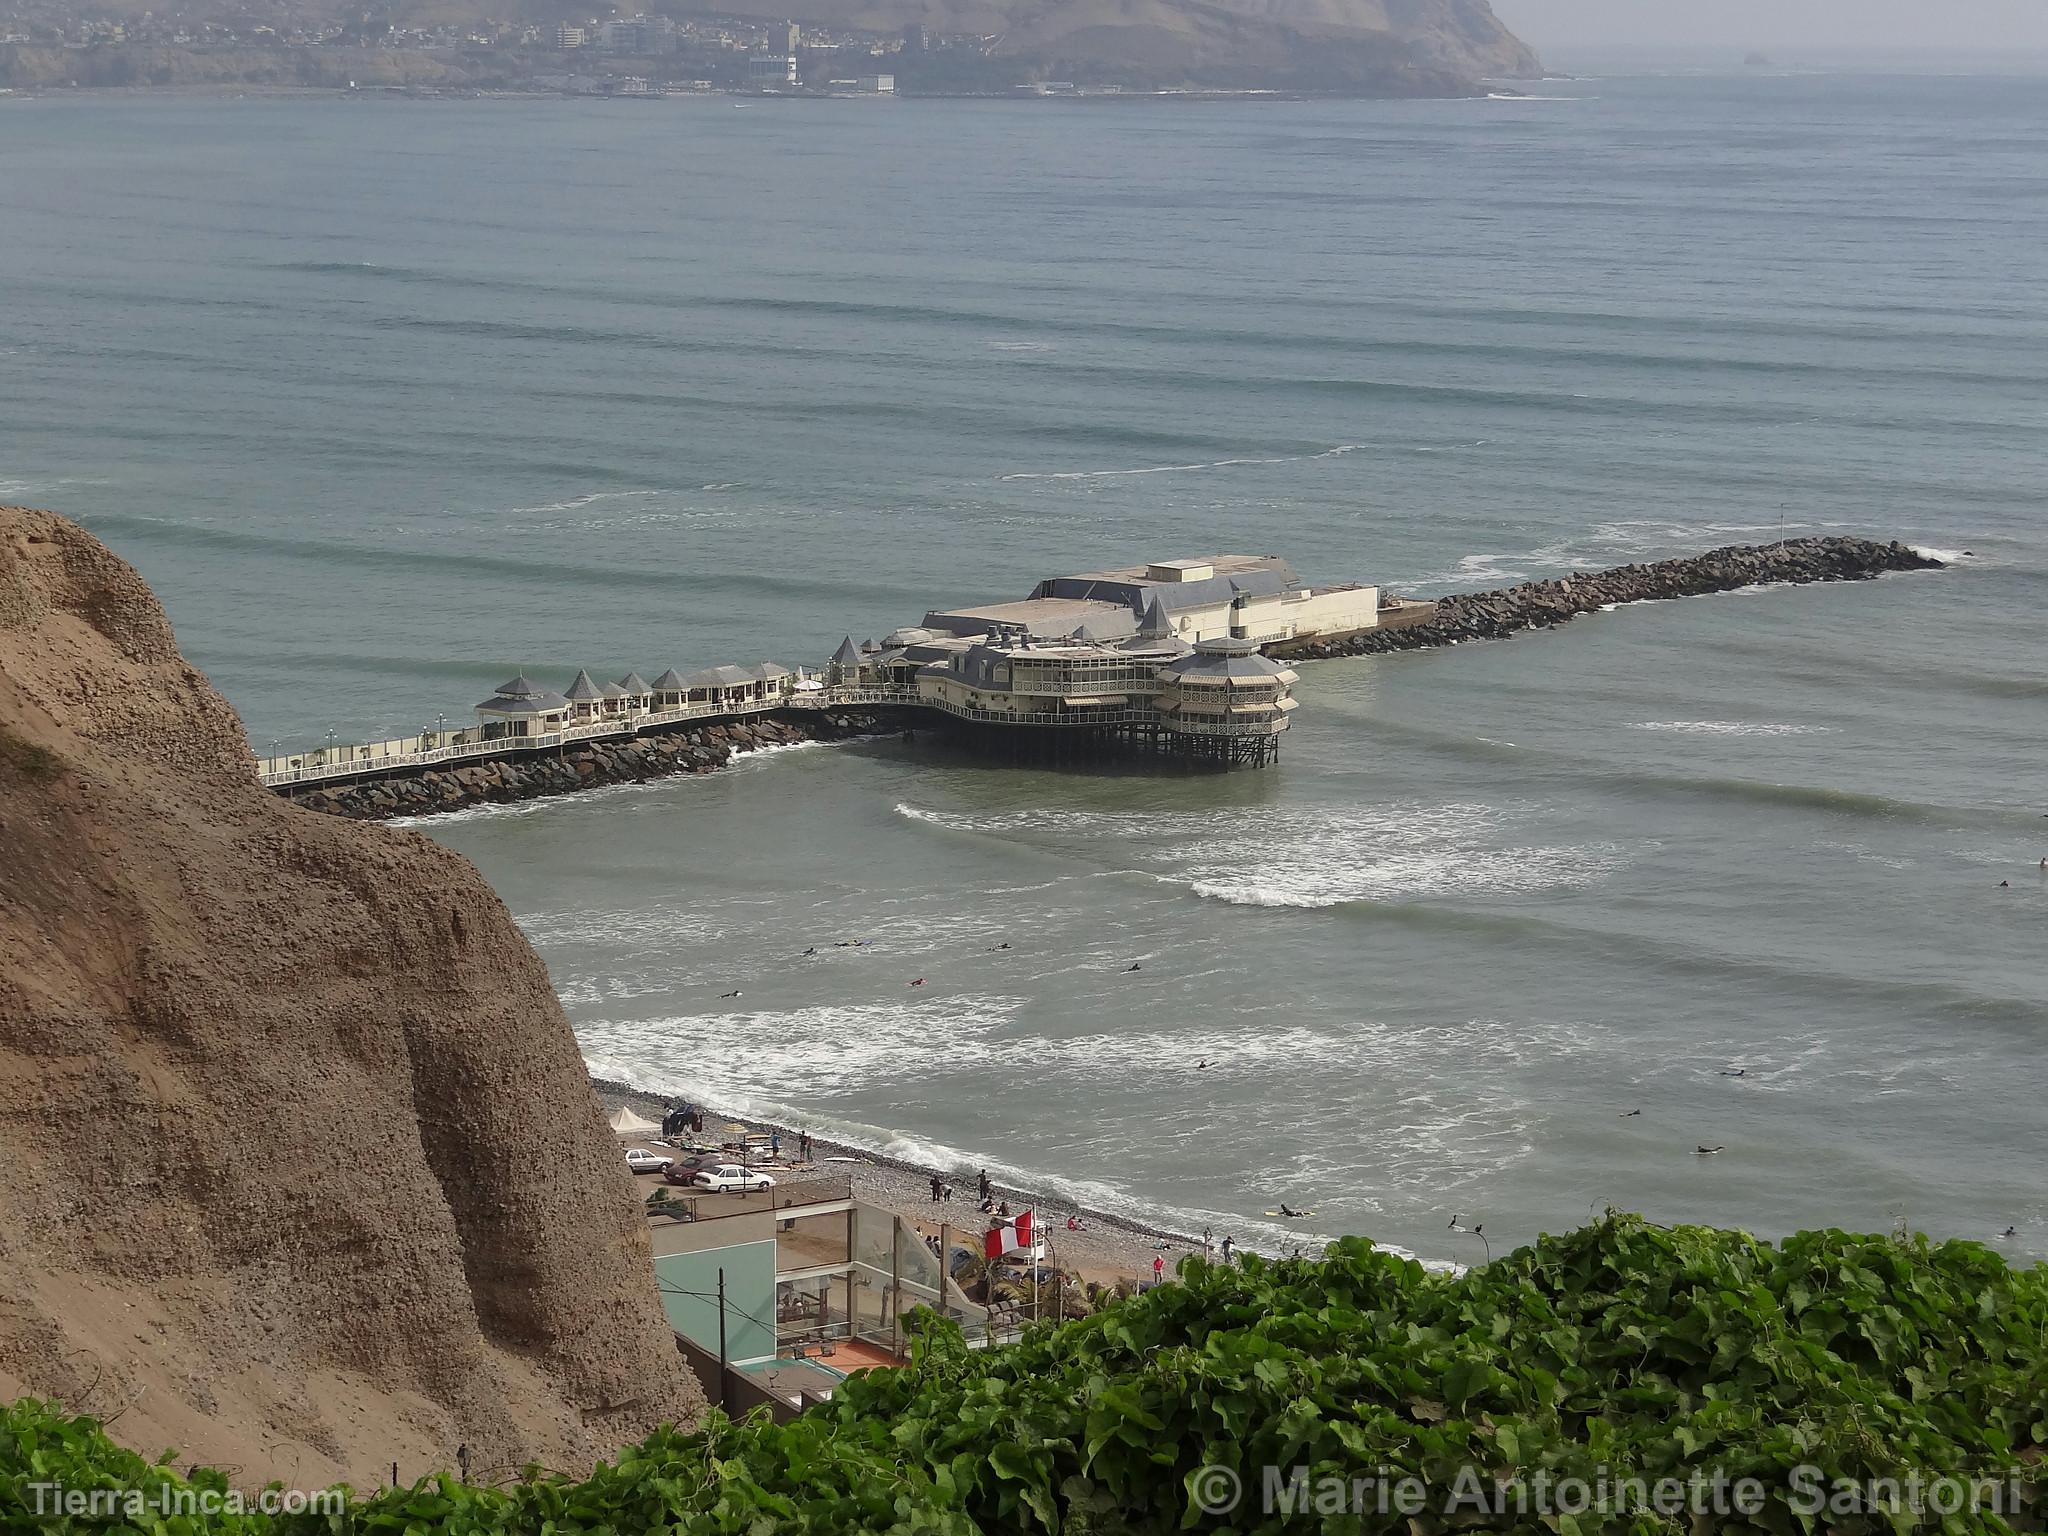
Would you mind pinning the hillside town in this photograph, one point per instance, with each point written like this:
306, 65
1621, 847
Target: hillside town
636, 54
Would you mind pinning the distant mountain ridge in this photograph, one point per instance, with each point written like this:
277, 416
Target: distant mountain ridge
1392, 47
1344, 47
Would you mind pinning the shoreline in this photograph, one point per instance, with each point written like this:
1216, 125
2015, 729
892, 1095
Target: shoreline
1109, 1247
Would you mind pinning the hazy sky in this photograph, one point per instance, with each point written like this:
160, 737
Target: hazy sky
1971, 25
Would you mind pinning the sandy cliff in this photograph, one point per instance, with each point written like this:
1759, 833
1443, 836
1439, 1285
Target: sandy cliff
304, 1175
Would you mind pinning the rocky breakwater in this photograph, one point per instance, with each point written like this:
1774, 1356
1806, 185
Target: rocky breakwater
1541, 604
632, 760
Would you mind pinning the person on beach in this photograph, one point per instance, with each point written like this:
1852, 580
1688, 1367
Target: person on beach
1158, 1268
1003, 1210
983, 1185
1229, 1249
938, 1190
775, 1145
1208, 1241
803, 1146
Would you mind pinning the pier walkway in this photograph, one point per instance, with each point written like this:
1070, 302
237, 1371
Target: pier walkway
341, 763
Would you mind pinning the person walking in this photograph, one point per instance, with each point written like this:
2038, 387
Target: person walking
1228, 1249
1158, 1268
985, 1185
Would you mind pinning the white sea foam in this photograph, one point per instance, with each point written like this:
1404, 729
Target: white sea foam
1174, 469
1431, 1107
1020, 346
499, 811
1274, 857
1945, 556
575, 503
492, 811
1732, 727
1605, 544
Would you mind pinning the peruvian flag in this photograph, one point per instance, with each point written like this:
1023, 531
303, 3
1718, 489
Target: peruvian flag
1008, 1237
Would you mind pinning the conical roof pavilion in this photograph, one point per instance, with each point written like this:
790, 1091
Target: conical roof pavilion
584, 690
1153, 623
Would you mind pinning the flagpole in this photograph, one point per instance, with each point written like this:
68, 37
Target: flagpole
1031, 1253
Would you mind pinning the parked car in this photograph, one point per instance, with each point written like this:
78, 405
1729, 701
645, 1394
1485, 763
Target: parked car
642, 1161
683, 1170
731, 1176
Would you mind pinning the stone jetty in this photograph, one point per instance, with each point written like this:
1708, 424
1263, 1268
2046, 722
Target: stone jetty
589, 765
1544, 604
702, 747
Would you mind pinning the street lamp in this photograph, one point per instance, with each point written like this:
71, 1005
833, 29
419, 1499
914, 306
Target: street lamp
328, 755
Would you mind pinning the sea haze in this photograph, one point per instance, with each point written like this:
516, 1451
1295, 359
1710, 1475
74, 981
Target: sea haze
391, 399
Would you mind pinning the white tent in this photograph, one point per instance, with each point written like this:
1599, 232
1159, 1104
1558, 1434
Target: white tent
625, 1123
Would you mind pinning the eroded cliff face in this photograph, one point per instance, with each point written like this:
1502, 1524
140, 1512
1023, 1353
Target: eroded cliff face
304, 1173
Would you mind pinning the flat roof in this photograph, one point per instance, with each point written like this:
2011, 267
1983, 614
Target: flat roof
1040, 615
1224, 565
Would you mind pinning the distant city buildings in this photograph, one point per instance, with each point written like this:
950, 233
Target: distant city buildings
640, 36
591, 55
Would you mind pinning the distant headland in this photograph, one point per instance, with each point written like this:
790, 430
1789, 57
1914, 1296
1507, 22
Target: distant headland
876, 48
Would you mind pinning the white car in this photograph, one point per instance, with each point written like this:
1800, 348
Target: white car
731, 1176
642, 1161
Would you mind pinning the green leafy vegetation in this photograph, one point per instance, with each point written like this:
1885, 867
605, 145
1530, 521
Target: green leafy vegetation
1620, 1351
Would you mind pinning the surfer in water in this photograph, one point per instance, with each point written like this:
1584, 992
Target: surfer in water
1288, 1210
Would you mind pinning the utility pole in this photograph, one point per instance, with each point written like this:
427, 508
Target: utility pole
896, 1286
721, 1337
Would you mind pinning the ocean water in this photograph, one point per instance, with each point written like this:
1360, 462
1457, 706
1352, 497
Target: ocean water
392, 399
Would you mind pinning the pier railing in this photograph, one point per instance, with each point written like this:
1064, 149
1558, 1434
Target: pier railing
430, 749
